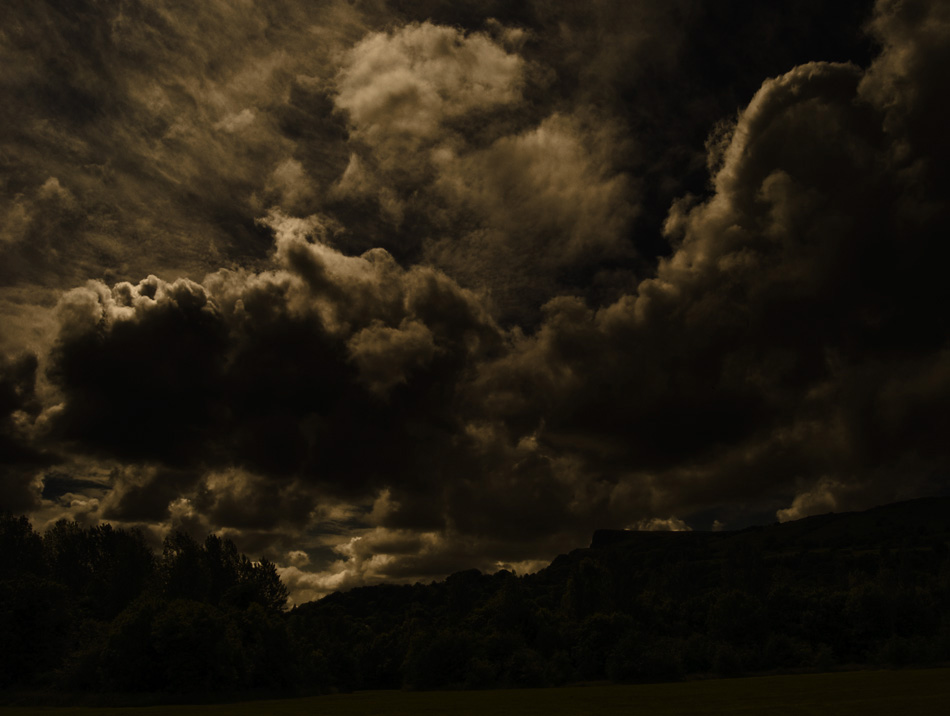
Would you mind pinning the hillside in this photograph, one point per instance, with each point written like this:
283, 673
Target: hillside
860, 588
91, 609
886, 526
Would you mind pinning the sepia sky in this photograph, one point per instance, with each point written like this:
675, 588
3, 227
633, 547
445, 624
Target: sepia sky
385, 289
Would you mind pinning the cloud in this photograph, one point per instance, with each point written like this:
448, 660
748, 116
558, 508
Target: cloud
371, 557
548, 203
298, 558
144, 494
605, 47
234, 498
818, 500
548, 181
381, 555
31, 223
237, 121
402, 91
131, 360
400, 88
659, 524
904, 79
286, 374
291, 187
21, 458
766, 348
512, 208
430, 337
384, 355
162, 123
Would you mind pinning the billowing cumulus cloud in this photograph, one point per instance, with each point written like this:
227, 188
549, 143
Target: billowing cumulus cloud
251, 398
424, 293
766, 350
264, 370
401, 90
148, 137
511, 206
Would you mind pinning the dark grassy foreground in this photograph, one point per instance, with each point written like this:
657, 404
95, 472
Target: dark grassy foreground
862, 693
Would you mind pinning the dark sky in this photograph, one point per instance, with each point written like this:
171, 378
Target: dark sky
389, 289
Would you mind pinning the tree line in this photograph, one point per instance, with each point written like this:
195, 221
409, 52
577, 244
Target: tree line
93, 609
637, 617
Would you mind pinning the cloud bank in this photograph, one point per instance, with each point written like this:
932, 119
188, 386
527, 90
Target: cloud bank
415, 325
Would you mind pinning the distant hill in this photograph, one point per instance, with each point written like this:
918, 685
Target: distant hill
921, 522
885, 526
87, 609
829, 591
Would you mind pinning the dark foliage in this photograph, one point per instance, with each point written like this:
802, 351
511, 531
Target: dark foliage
93, 609
826, 592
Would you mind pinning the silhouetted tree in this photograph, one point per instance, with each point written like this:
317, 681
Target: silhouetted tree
21, 548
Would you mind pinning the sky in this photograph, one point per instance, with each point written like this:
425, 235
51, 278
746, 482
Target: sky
384, 290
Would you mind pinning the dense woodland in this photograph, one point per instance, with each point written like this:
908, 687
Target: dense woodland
93, 609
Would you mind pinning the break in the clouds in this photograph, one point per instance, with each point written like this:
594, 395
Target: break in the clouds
388, 292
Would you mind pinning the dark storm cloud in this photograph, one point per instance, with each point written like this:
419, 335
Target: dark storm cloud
254, 398
783, 340
158, 123
131, 384
472, 311
333, 370
563, 188
668, 71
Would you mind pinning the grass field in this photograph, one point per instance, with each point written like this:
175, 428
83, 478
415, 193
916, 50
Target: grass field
864, 693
